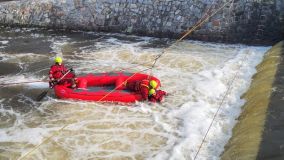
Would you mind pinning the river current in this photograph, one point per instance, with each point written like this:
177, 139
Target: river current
200, 77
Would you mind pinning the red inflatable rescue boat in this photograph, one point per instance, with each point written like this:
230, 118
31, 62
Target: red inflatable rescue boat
100, 87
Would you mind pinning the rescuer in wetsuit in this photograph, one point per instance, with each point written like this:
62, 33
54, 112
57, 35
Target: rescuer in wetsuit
57, 71
147, 89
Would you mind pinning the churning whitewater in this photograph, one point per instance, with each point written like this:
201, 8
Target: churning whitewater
200, 77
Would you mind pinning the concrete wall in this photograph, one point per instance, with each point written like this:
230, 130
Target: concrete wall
259, 134
243, 21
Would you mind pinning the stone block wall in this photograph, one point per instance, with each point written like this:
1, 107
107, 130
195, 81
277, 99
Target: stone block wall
242, 21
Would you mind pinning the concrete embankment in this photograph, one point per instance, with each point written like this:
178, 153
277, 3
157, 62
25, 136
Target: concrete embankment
259, 134
240, 21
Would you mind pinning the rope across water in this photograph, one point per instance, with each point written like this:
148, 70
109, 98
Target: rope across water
189, 31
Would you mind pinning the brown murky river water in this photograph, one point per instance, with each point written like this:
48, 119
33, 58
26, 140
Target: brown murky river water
196, 74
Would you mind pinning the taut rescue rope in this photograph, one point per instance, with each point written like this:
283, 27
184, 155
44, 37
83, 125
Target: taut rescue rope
199, 23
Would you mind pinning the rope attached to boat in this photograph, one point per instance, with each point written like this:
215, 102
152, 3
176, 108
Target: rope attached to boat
189, 31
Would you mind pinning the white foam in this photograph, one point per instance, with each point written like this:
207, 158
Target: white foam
29, 81
4, 42
38, 85
57, 45
210, 87
202, 92
197, 75
30, 135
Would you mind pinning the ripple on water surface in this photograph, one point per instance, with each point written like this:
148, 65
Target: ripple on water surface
197, 76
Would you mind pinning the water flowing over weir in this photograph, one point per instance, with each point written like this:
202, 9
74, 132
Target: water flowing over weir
259, 132
196, 74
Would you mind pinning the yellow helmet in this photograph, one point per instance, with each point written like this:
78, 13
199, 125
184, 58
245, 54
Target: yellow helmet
58, 60
152, 91
153, 84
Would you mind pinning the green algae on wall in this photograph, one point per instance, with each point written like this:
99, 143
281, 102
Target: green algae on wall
247, 134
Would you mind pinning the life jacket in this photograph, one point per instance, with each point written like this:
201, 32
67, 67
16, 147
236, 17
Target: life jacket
143, 87
143, 84
57, 71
